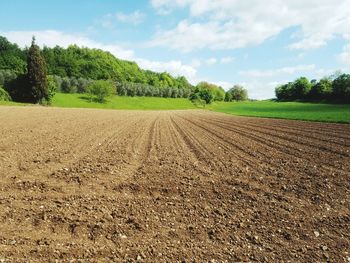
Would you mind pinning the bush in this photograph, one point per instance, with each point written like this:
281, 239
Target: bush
199, 102
341, 88
238, 93
301, 88
321, 91
4, 96
52, 88
207, 92
101, 89
67, 86
228, 96
19, 89
284, 92
206, 95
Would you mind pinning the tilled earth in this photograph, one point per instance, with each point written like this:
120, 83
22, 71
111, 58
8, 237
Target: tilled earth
171, 186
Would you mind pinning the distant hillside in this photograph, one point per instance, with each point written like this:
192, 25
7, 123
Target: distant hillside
87, 63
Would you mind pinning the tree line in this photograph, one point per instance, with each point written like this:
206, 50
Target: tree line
77, 70
335, 88
79, 62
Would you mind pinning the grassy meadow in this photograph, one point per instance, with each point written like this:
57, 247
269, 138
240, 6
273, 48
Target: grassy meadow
268, 109
121, 103
287, 110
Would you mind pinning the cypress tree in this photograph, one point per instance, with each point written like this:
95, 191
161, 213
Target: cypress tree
36, 74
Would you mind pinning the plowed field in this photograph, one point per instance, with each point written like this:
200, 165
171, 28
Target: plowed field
171, 186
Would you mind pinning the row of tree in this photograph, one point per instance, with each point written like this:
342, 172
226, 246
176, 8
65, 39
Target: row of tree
139, 89
335, 88
206, 93
85, 63
34, 75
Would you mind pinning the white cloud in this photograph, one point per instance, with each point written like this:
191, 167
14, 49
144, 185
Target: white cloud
224, 84
211, 61
174, 67
109, 21
344, 57
261, 90
277, 72
234, 24
134, 18
196, 63
226, 60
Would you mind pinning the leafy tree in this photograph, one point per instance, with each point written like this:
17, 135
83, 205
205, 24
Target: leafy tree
4, 96
11, 57
67, 86
101, 89
219, 94
36, 74
335, 88
81, 65
321, 90
301, 88
228, 96
18, 89
52, 87
208, 92
284, 92
341, 88
238, 93
206, 95
7, 76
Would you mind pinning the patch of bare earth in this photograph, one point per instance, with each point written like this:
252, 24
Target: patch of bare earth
171, 186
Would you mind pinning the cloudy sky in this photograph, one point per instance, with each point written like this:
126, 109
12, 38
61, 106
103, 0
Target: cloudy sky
258, 44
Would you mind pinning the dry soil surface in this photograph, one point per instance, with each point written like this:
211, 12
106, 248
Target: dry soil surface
81, 185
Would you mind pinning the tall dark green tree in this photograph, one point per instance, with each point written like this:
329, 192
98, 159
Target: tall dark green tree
37, 74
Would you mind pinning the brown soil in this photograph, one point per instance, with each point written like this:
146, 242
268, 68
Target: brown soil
175, 186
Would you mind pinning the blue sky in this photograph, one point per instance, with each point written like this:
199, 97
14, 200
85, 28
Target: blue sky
258, 44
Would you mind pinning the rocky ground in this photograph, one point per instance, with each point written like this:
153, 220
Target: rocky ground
173, 186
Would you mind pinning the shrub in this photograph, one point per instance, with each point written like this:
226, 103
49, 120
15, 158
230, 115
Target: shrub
206, 95
19, 89
228, 96
101, 89
321, 90
52, 87
341, 88
238, 93
67, 86
4, 96
301, 88
199, 102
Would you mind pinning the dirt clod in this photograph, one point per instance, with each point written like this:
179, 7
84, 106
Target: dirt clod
172, 186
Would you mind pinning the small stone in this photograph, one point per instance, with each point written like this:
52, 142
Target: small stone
324, 248
317, 234
122, 236
139, 258
13, 242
